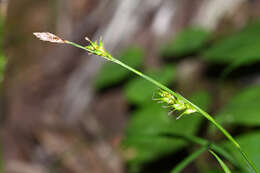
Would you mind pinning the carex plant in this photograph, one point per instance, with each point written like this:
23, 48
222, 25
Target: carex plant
172, 100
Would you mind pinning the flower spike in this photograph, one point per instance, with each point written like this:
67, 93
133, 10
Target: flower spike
174, 103
97, 48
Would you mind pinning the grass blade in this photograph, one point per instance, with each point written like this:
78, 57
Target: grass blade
222, 164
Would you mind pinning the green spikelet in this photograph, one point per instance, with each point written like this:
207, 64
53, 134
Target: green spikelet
173, 103
97, 48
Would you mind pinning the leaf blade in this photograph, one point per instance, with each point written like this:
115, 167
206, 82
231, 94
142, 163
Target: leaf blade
222, 164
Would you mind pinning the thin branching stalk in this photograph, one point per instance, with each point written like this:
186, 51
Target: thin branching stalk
97, 48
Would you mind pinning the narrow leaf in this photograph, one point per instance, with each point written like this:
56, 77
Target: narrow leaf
203, 142
222, 164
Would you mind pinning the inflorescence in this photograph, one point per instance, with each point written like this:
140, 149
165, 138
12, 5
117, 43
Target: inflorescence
174, 103
96, 48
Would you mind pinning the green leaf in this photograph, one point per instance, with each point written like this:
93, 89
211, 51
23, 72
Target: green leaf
143, 140
139, 91
2, 67
243, 109
250, 143
111, 73
240, 48
222, 164
189, 159
187, 41
144, 129
202, 99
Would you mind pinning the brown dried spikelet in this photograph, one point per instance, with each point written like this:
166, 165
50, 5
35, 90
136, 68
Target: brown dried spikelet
46, 36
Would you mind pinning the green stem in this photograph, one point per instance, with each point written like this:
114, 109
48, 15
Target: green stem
205, 114
248, 160
77, 45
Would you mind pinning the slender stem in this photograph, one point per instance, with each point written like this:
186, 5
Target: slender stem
205, 114
248, 160
77, 45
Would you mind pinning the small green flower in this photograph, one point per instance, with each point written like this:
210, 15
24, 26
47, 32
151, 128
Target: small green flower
98, 49
174, 103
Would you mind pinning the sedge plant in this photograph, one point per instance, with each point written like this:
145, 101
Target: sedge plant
173, 100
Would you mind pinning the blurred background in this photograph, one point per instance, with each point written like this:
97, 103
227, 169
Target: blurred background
63, 110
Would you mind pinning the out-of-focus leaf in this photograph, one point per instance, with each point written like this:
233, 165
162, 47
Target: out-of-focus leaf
202, 98
238, 63
243, 109
143, 142
188, 160
147, 124
250, 143
188, 41
239, 48
2, 67
222, 164
139, 91
111, 74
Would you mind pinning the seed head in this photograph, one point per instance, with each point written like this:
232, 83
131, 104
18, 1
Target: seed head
174, 103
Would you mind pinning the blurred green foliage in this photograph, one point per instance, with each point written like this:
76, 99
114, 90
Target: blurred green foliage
240, 46
251, 144
2, 66
144, 129
243, 108
186, 42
